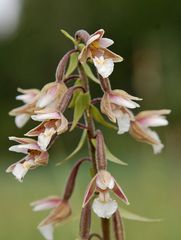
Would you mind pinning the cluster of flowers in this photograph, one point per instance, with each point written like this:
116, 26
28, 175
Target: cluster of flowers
47, 106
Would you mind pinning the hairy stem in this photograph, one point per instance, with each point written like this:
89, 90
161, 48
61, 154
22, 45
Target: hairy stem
105, 228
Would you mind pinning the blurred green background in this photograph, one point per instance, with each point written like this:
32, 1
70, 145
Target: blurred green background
148, 35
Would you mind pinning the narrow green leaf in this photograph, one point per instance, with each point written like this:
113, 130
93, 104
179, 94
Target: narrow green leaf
99, 118
82, 102
73, 62
134, 217
89, 73
66, 34
109, 155
77, 149
113, 158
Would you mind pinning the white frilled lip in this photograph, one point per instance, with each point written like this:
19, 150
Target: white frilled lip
46, 116
19, 171
123, 121
104, 209
46, 203
104, 66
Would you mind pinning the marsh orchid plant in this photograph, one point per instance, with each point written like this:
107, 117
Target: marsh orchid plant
48, 106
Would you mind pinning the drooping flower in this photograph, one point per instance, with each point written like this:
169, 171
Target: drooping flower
140, 128
96, 49
22, 114
104, 206
53, 123
61, 211
115, 105
35, 157
51, 95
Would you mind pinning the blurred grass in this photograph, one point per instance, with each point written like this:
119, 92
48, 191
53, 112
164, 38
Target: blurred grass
150, 182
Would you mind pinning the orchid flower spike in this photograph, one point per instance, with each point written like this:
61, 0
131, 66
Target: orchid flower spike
35, 157
51, 95
140, 128
115, 104
61, 211
96, 49
53, 123
103, 183
22, 114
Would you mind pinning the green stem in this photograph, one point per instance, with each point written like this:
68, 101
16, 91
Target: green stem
90, 135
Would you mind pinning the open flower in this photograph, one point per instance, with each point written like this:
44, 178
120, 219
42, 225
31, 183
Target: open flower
51, 95
140, 128
96, 49
115, 105
22, 114
61, 211
53, 123
104, 206
35, 157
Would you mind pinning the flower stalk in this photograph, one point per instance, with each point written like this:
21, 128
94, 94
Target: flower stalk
49, 105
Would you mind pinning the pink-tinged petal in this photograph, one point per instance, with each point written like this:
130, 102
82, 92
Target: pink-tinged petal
105, 42
47, 231
46, 203
21, 120
155, 121
119, 192
46, 116
97, 35
90, 191
123, 102
152, 113
104, 209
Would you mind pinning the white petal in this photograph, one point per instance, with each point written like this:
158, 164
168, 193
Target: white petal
104, 66
21, 120
102, 184
123, 102
104, 209
47, 231
123, 121
45, 100
45, 138
19, 171
154, 121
